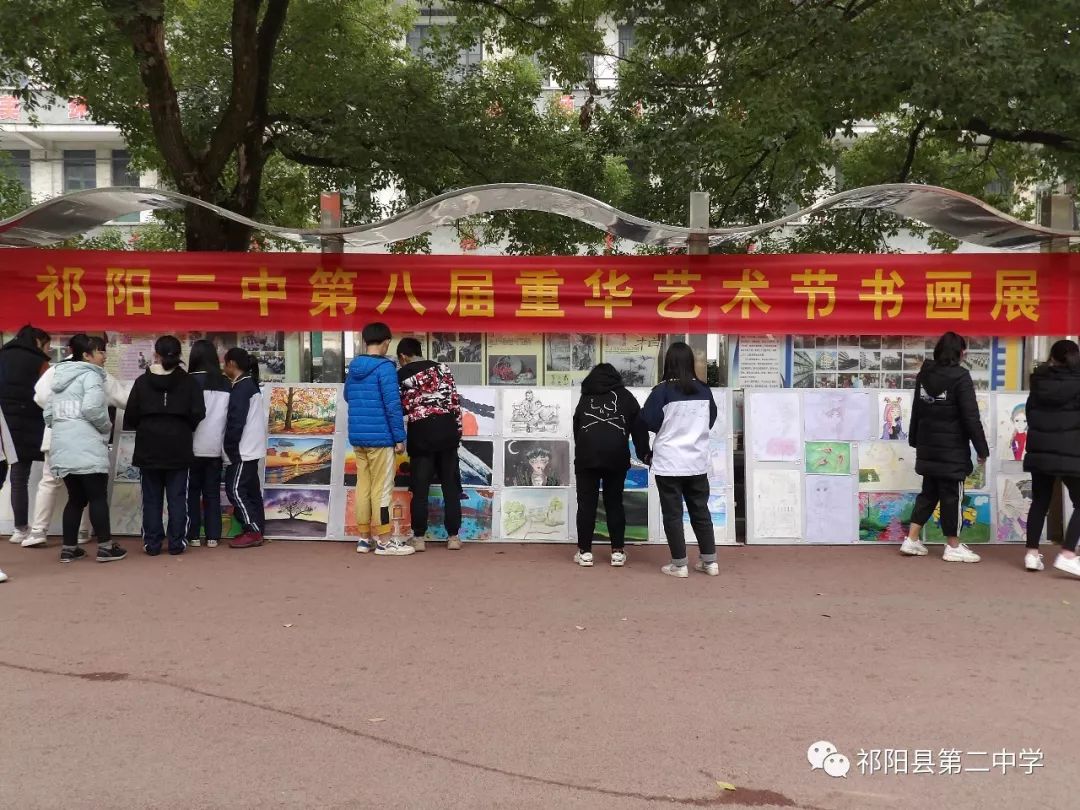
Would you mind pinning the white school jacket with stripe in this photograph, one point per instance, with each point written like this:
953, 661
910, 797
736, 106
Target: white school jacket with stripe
210, 434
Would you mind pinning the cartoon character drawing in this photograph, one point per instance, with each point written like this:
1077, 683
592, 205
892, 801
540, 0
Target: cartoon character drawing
1018, 444
892, 418
536, 471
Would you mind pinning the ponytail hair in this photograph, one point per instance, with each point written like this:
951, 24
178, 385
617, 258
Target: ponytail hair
83, 344
1066, 353
167, 348
244, 361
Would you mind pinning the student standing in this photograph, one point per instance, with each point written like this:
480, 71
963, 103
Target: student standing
432, 408
605, 420
244, 445
164, 408
204, 474
7, 455
22, 362
681, 412
1053, 450
78, 414
49, 487
945, 425
377, 434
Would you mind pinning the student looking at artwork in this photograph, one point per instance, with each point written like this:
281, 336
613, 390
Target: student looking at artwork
1053, 450
49, 487
604, 421
681, 412
377, 434
204, 474
945, 424
432, 407
244, 446
78, 414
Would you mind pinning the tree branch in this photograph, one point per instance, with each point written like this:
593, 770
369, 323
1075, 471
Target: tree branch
1054, 140
245, 79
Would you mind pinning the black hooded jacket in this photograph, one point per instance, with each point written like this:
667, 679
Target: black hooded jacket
1053, 414
605, 419
945, 423
164, 409
21, 364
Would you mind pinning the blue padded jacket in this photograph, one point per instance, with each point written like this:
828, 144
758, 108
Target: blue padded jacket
374, 400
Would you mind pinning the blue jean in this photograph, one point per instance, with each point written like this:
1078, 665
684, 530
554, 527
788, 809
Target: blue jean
157, 486
204, 498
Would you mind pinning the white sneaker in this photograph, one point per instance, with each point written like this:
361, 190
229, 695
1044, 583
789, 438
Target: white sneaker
584, 559
195, 542
212, 543
1033, 561
3, 577
1069, 566
19, 536
618, 558
913, 548
84, 537
712, 568
394, 548
364, 546
417, 543
35, 541
960, 554
673, 570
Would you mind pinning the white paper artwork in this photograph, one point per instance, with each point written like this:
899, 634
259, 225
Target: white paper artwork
774, 419
887, 466
831, 509
837, 415
537, 413
777, 504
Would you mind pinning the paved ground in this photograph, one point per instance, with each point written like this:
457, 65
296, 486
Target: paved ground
305, 675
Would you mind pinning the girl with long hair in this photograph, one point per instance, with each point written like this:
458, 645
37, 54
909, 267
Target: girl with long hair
204, 474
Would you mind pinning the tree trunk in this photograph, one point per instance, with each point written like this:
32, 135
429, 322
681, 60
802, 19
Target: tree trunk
289, 409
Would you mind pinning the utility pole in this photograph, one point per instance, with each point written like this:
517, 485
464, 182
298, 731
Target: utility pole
698, 245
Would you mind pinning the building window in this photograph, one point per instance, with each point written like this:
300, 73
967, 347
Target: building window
417, 42
80, 169
124, 175
626, 40
15, 164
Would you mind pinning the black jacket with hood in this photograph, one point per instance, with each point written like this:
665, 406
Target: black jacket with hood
21, 364
1053, 414
164, 409
607, 416
945, 422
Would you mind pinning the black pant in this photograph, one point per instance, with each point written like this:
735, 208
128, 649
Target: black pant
588, 496
245, 494
694, 489
20, 493
204, 498
946, 491
157, 485
87, 490
1042, 492
423, 469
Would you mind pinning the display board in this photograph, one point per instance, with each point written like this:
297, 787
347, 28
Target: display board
834, 466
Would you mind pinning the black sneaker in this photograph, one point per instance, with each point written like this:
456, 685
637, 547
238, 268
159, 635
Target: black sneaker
110, 554
71, 553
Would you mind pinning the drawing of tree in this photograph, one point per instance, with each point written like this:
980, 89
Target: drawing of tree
296, 506
289, 398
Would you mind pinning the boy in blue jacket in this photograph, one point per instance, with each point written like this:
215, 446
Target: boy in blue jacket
377, 434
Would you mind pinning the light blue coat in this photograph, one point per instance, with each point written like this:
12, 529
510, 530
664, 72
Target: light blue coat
78, 414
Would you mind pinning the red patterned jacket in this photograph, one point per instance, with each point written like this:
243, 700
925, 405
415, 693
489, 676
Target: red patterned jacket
432, 407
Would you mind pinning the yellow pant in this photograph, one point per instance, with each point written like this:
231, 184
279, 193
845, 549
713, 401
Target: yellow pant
374, 489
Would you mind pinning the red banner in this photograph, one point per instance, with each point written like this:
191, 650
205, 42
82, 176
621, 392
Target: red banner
977, 294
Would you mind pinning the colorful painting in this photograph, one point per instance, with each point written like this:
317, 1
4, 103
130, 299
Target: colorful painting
894, 413
539, 413
531, 463
512, 369
976, 525
636, 506
476, 461
304, 409
884, 516
125, 452
977, 479
828, 458
296, 513
1011, 438
125, 510
299, 460
477, 411
1013, 504
400, 515
402, 470
637, 477
887, 466
534, 514
718, 511
477, 514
